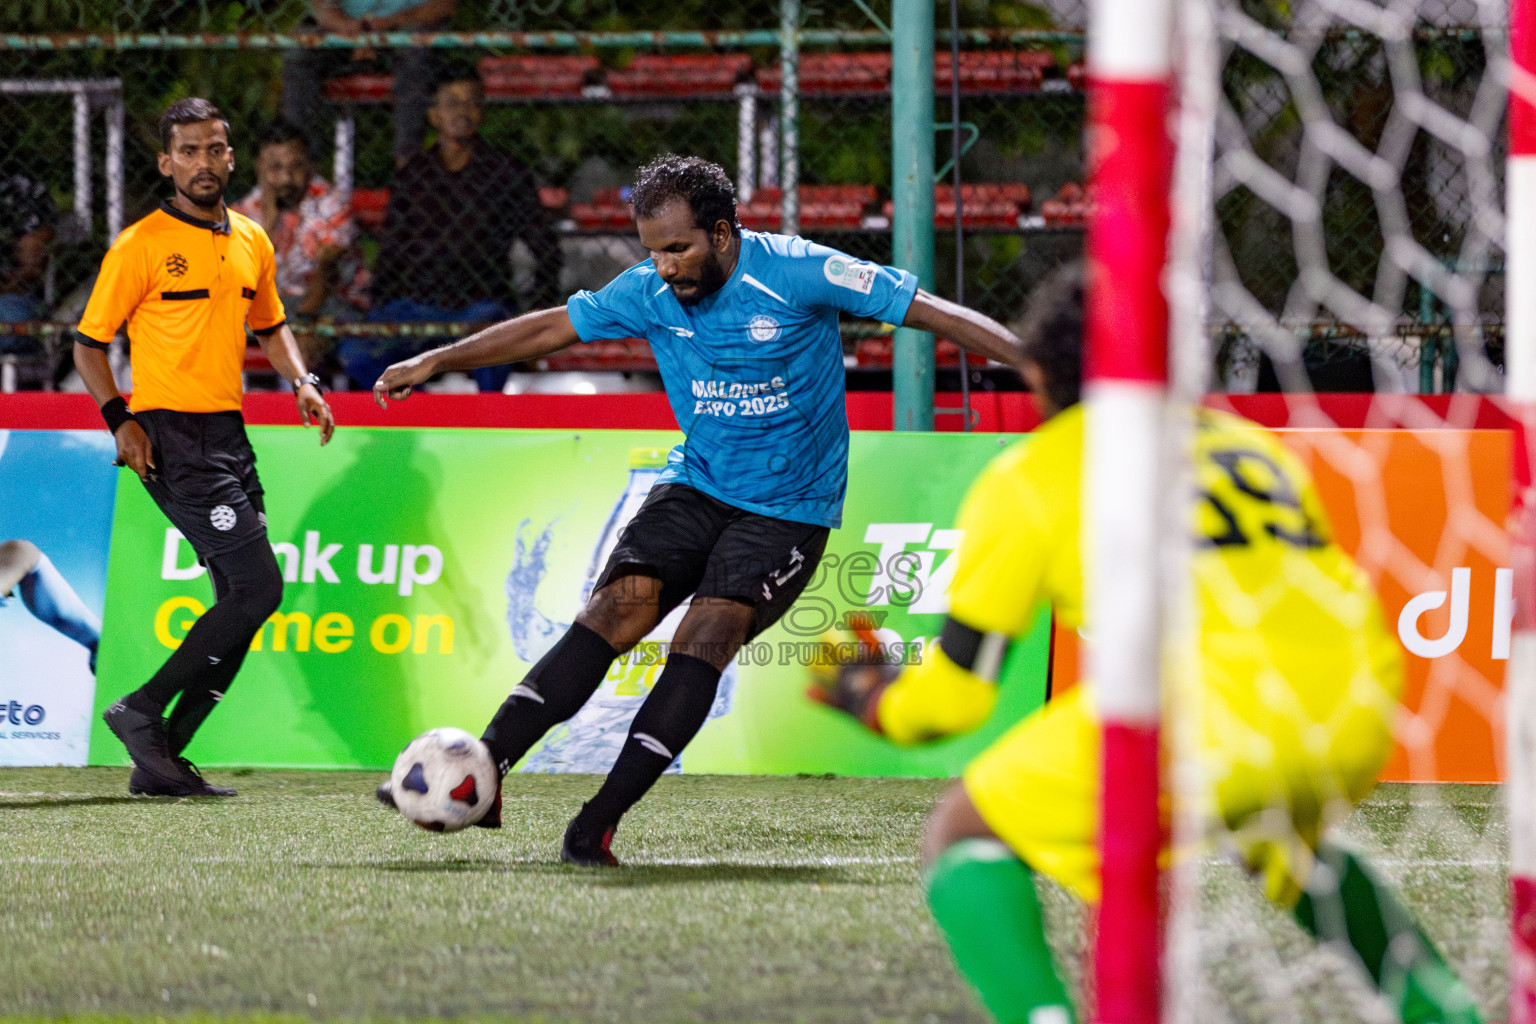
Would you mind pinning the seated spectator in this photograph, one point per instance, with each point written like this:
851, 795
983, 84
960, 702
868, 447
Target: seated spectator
453, 214
413, 67
310, 224
27, 217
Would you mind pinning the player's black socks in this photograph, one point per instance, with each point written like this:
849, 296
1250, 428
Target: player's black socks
211, 652
670, 717
552, 691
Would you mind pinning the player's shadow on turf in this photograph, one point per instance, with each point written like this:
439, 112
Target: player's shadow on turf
77, 801
638, 875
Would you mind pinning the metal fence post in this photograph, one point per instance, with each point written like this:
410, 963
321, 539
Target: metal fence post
912, 192
789, 116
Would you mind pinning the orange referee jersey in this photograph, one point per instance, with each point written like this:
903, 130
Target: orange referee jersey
186, 287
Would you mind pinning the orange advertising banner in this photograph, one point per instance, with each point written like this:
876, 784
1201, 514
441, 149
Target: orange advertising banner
1423, 513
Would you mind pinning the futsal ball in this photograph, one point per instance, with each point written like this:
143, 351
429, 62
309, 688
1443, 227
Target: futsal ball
444, 780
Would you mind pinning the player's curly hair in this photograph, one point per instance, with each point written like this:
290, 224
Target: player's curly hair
192, 110
1051, 332
704, 186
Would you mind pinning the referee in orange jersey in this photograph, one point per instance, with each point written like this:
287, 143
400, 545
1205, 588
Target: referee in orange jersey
187, 279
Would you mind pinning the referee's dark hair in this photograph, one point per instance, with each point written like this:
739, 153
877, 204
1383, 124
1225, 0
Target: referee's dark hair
281, 133
1051, 332
704, 186
192, 110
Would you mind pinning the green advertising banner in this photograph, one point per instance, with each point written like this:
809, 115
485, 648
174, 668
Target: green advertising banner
426, 570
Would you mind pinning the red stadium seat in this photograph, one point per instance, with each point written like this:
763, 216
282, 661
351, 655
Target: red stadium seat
865, 74
994, 70
696, 75
840, 74
608, 211
987, 204
365, 88
368, 206
822, 207
554, 199
1070, 207
627, 355
537, 77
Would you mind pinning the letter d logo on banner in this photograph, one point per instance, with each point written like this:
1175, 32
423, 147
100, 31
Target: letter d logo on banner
1455, 633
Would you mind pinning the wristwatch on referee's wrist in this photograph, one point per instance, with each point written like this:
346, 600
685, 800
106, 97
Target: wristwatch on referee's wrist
308, 378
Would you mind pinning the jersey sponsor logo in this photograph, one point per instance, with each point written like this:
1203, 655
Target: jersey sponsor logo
733, 398
763, 328
222, 517
846, 273
175, 264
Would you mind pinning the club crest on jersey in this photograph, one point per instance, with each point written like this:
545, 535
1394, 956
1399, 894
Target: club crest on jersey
846, 273
764, 328
175, 264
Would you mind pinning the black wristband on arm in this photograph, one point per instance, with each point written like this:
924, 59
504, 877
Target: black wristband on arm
980, 654
116, 413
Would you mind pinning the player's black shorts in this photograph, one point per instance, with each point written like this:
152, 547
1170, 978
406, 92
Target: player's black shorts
696, 544
206, 481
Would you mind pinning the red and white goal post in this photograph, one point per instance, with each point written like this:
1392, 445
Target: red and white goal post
1149, 200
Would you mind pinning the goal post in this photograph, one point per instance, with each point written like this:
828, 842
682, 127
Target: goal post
1520, 389
1343, 186
1125, 378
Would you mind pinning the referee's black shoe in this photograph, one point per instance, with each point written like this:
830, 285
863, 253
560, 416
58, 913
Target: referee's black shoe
142, 783
144, 736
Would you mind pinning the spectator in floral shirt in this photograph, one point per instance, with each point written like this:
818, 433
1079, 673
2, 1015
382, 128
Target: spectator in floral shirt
310, 224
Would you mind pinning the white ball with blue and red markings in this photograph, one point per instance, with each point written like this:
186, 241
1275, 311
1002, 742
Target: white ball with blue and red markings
444, 780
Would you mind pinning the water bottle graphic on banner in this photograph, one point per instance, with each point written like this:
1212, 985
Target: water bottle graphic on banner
590, 742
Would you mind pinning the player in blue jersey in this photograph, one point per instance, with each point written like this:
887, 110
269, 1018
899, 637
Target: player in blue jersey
744, 329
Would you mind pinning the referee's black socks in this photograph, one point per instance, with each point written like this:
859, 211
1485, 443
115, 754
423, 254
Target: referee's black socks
670, 717
553, 690
248, 588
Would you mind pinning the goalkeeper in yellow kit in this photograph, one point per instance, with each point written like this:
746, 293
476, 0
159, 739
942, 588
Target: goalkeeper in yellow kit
1292, 685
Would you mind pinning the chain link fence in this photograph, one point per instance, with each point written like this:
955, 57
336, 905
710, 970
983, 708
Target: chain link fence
582, 92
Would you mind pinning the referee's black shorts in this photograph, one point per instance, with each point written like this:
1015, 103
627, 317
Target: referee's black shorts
696, 544
205, 480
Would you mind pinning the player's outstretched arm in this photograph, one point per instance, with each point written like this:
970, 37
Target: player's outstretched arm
967, 328
511, 341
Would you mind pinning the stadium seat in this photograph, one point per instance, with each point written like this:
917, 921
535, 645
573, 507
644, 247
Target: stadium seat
994, 70
1070, 207
869, 74
553, 199
537, 77
823, 207
608, 211
693, 75
361, 88
368, 206
878, 352
835, 74
987, 204
626, 355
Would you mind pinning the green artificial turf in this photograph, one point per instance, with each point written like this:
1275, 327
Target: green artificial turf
742, 899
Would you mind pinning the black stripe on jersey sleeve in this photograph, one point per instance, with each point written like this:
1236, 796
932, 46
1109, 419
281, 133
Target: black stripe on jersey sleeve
263, 332
196, 293
90, 342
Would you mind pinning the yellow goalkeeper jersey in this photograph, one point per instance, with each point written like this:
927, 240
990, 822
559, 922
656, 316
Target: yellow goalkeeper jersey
1288, 624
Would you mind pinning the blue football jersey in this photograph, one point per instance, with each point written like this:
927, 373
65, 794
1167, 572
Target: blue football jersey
754, 372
